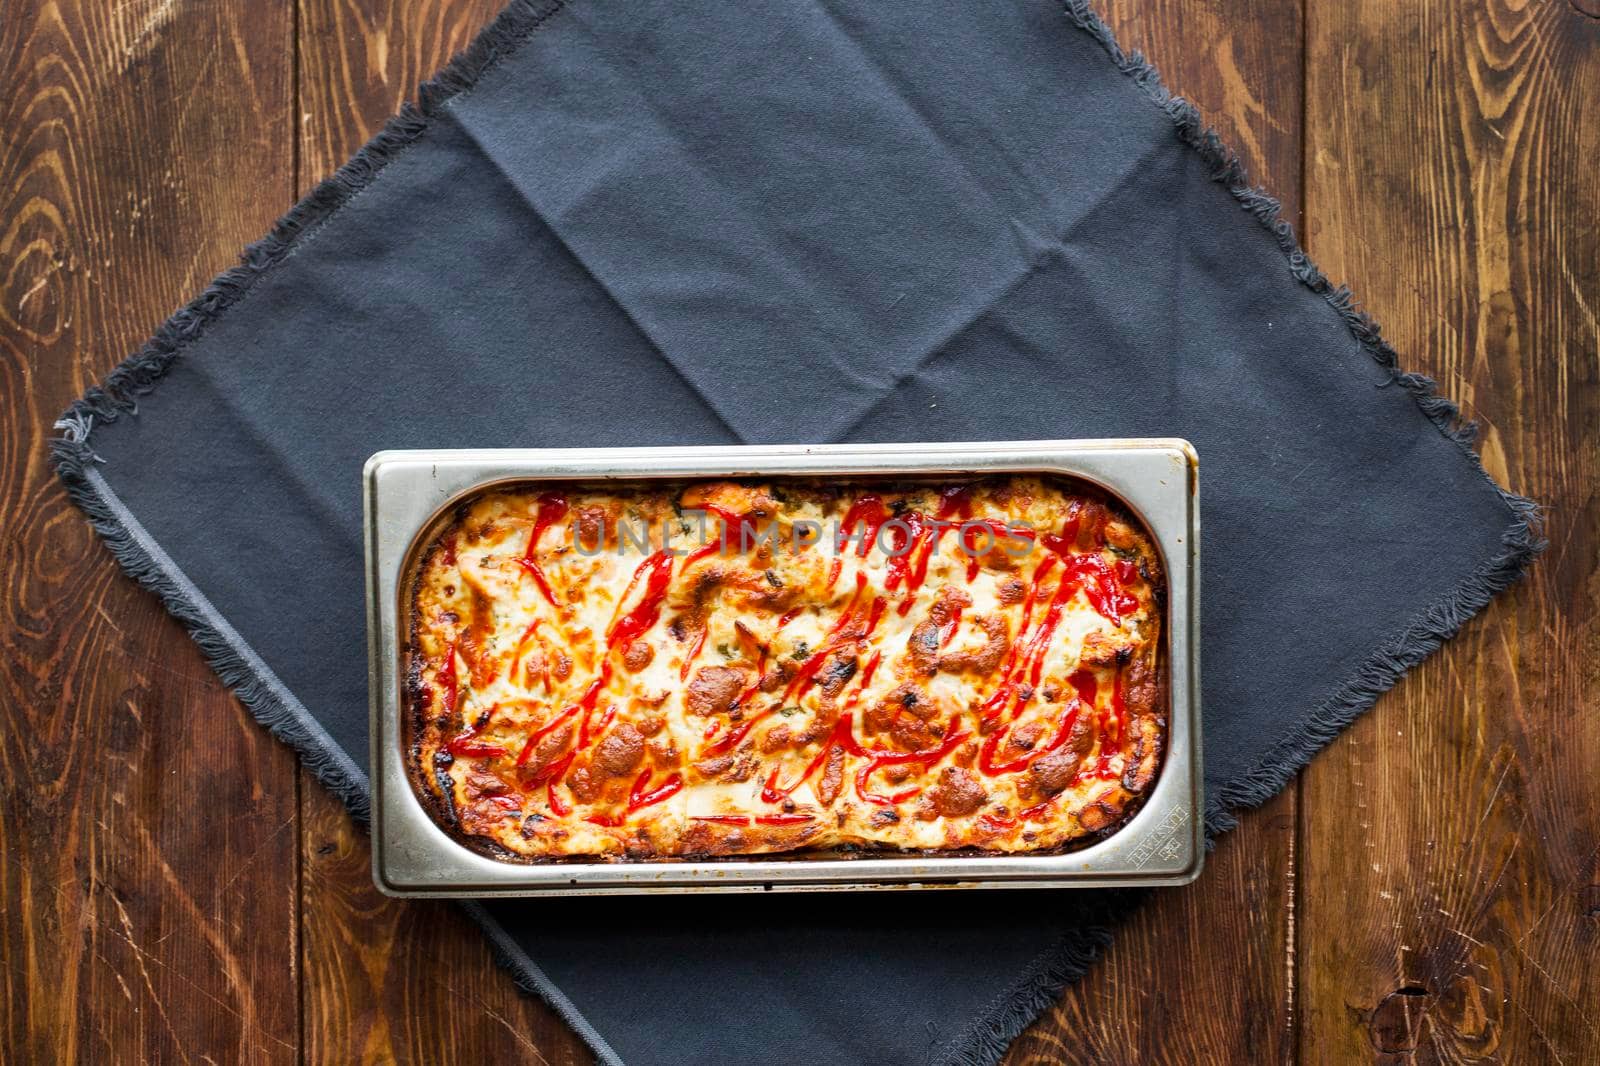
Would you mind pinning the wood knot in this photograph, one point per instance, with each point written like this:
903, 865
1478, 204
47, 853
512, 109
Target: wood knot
1591, 901
1394, 1026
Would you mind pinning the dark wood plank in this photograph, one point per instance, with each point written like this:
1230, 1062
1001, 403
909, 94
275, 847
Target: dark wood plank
144, 144
413, 981
1195, 976
1450, 911
386, 980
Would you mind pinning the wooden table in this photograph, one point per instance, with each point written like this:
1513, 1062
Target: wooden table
175, 889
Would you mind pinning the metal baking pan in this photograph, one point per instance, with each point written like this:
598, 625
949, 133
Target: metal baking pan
408, 493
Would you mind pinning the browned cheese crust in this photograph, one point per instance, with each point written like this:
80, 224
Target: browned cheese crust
715, 668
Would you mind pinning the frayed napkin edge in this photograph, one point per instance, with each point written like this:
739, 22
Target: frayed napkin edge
987, 1040
1520, 543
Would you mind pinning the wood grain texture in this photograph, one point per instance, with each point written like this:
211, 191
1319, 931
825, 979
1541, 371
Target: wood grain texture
149, 830
1450, 910
1433, 896
385, 980
404, 981
1196, 976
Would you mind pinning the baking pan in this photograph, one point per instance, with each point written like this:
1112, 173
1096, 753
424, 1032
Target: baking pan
408, 493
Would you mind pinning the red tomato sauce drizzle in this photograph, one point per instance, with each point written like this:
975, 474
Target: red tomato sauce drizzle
448, 681
552, 509
742, 527
986, 754
802, 678
843, 736
914, 541
694, 652
927, 757
866, 678
466, 745
647, 611
640, 796
869, 513
996, 704
951, 628
517, 668
1112, 726
955, 501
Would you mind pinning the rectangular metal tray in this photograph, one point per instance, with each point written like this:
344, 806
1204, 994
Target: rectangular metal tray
408, 492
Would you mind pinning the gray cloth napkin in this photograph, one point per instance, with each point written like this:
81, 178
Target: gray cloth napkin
613, 223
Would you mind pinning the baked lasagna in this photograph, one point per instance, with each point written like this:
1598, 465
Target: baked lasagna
726, 668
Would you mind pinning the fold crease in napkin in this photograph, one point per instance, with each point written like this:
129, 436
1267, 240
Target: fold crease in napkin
612, 223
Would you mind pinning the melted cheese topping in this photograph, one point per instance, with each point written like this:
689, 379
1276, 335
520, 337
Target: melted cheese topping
712, 668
